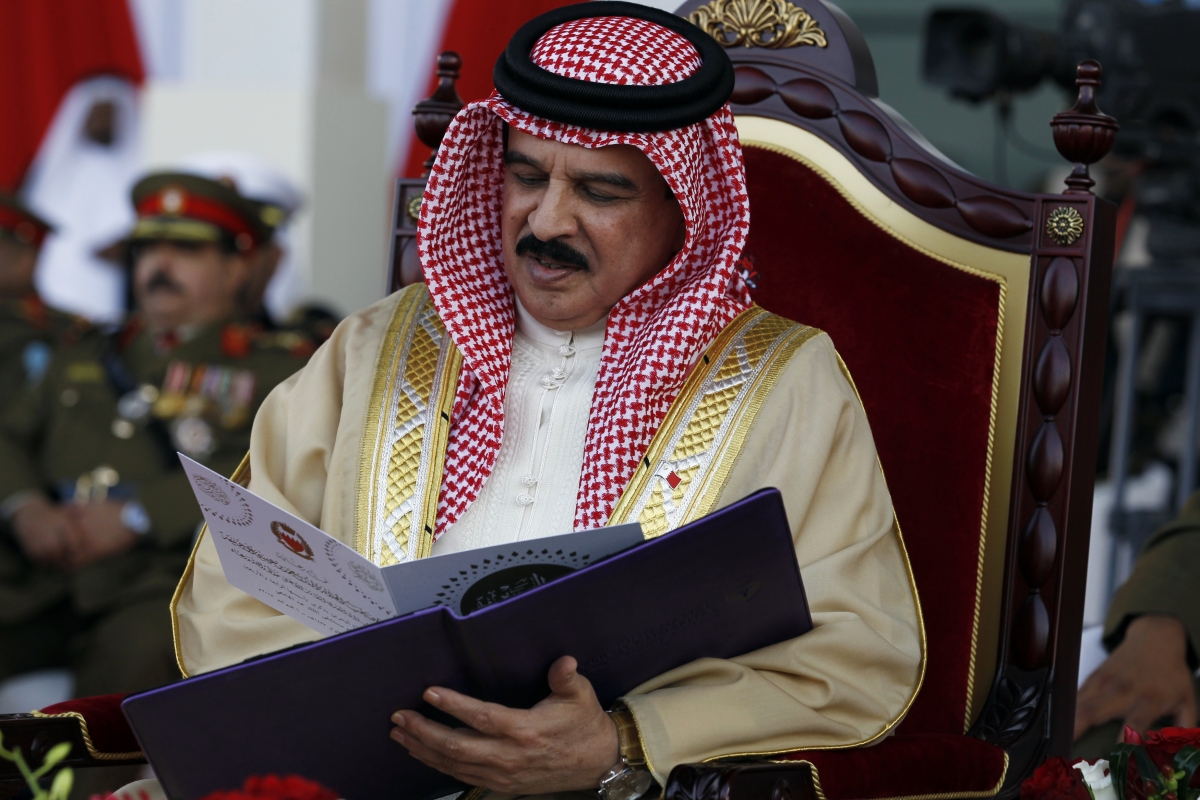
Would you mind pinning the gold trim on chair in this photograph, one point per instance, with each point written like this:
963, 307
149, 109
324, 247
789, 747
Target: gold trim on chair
87, 738
995, 790
1012, 272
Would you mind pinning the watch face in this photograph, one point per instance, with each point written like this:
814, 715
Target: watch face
630, 784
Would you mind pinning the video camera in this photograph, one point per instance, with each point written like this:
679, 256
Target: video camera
1150, 52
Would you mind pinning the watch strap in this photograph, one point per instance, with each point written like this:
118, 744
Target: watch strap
628, 741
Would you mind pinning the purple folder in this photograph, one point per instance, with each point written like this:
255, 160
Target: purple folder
722, 586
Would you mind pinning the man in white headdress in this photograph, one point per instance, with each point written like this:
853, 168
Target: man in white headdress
80, 181
585, 354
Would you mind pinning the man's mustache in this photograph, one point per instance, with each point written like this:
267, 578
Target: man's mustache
555, 251
161, 280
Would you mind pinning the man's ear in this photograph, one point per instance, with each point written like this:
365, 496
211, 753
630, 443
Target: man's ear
237, 270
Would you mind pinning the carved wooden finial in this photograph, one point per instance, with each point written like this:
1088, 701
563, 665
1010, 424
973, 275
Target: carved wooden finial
434, 113
1085, 134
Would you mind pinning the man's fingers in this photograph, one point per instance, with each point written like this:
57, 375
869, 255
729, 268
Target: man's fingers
487, 718
473, 774
1099, 701
565, 680
1141, 717
461, 745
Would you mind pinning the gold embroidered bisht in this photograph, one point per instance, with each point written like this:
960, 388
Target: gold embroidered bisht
354, 443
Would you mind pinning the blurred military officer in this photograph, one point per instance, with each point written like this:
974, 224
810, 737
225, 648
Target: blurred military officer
89, 478
274, 295
28, 327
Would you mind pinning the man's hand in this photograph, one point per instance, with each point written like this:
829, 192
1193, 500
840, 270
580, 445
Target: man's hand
97, 533
564, 743
43, 531
1145, 678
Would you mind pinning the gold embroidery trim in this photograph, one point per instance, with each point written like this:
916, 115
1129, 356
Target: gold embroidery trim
440, 437
240, 476
708, 422
87, 738
405, 437
409, 301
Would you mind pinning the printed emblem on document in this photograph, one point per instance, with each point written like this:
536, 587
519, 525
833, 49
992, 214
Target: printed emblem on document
369, 578
235, 510
293, 541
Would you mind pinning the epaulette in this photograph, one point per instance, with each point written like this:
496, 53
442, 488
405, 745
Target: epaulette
78, 327
238, 338
35, 311
128, 332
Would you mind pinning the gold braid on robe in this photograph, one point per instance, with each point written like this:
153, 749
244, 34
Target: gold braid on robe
351, 444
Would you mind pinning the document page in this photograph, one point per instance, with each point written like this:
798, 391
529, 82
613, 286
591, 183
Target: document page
299, 570
292, 566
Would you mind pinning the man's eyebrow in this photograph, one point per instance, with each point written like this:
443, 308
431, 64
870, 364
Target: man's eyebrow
611, 178
517, 157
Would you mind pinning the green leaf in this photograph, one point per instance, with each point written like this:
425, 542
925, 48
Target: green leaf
1187, 761
60, 788
57, 754
1118, 767
1148, 770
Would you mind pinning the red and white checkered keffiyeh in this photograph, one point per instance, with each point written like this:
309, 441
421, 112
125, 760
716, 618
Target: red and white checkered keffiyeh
654, 334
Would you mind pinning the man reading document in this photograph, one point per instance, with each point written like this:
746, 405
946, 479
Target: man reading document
563, 369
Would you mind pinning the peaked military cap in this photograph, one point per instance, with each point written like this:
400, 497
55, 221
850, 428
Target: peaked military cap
182, 207
19, 223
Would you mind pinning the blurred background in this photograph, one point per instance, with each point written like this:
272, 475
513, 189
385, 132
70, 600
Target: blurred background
323, 90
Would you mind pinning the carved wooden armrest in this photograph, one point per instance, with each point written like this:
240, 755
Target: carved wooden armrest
35, 735
742, 781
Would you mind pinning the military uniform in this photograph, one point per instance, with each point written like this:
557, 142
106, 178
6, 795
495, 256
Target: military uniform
105, 422
28, 327
1165, 580
29, 330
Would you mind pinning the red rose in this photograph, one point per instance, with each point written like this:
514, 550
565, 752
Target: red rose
1055, 779
273, 787
1172, 740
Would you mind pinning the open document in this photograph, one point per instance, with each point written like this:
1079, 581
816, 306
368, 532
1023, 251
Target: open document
299, 570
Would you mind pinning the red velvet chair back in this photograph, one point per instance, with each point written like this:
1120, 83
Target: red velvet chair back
919, 338
972, 319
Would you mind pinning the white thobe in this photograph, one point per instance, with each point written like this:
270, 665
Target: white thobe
532, 487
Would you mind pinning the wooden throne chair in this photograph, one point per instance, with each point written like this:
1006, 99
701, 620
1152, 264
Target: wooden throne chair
973, 320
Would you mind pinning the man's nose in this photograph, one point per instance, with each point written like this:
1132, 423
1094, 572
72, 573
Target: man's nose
554, 216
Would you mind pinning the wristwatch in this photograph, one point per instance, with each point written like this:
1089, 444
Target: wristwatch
629, 778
